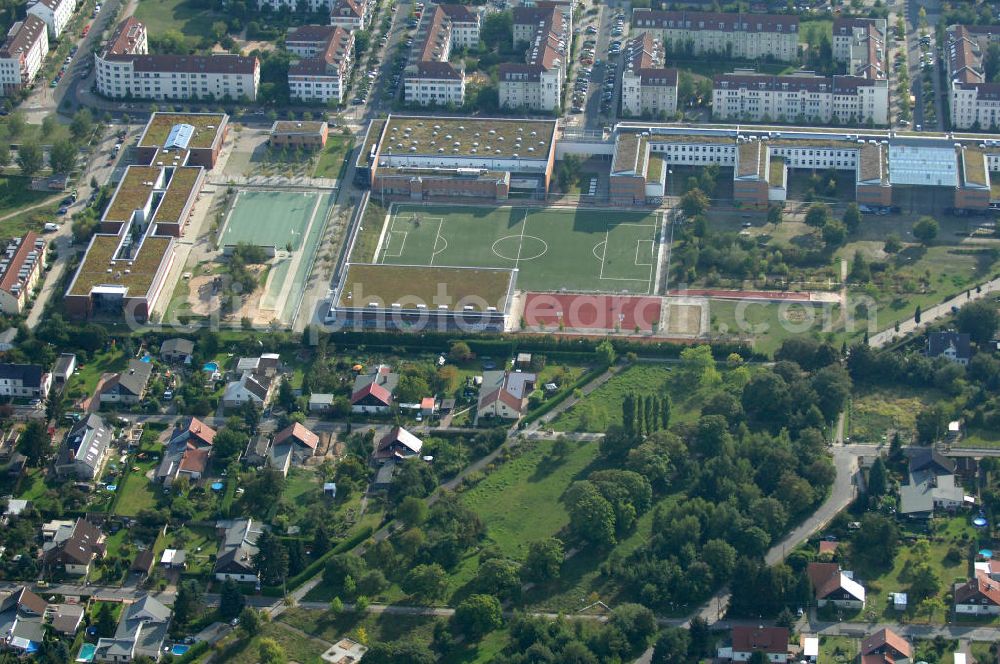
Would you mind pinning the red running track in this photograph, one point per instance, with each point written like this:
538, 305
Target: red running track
592, 312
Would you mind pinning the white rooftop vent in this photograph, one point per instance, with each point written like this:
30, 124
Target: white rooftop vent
442, 307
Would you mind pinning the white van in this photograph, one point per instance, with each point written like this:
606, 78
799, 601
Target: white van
49, 227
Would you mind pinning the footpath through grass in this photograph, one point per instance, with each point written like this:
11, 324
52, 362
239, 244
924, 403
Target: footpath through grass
603, 407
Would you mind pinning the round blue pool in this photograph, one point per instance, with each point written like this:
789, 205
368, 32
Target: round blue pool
112, 487
979, 522
986, 553
210, 366
217, 486
146, 358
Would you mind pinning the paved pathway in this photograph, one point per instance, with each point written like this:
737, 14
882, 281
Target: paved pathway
932, 314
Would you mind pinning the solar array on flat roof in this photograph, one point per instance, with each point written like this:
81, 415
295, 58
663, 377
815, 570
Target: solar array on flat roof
179, 136
936, 167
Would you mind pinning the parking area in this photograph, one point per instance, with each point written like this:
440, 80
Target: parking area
593, 96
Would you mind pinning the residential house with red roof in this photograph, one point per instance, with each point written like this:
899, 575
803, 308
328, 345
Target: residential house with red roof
21, 267
292, 445
772, 641
504, 394
187, 453
979, 596
397, 445
372, 392
834, 586
885, 647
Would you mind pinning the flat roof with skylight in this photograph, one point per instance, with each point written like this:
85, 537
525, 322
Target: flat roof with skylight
204, 127
475, 138
923, 166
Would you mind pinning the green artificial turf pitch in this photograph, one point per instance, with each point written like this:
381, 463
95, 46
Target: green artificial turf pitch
271, 218
553, 248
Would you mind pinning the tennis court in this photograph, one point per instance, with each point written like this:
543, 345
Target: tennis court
553, 248
276, 219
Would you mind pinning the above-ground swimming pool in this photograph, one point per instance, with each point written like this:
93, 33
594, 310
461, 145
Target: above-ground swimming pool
217, 486
210, 366
986, 553
86, 653
179, 649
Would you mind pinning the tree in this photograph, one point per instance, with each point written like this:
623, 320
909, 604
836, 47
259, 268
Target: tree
82, 125
4, 155
251, 621
925, 229
875, 543
478, 615
460, 352
860, 272
427, 582
834, 233
16, 123
271, 559
229, 443
694, 203
932, 423
500, 577
188, 604
231, 600
544, 560
877, 478
979, 320
362, 38
62, 157
605, 352
636, 622
672, 646
497, 30
775, 215
892, 243
833, 385
818, 215
29, 158
106, 623
34, 442
917, 315
592, 517
270, 652
412, 511
852, 217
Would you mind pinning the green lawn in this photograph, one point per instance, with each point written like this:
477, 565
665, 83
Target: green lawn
980, 438
520, 502
199, 543
16, 192
767, 324
183, 16
84, 383
837, 649
331, 159
874, 411
812, 30
948, 533
137, 493
603, 407
553, 248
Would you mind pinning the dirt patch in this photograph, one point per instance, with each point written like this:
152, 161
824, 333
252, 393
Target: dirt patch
251, 46
684, 319
205, 294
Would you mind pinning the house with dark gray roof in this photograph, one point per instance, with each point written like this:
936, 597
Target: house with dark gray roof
177, 350
22, 616
24, 380
953, 346
74, 547
85, 449
930, 485
237, 548
142, 628
128, 386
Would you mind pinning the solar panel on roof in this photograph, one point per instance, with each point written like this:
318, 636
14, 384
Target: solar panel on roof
179, 136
